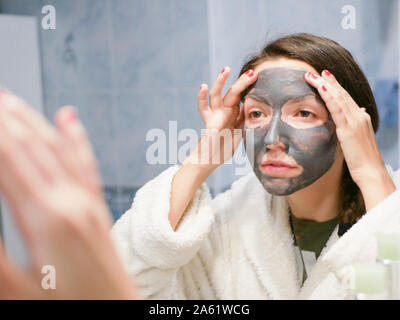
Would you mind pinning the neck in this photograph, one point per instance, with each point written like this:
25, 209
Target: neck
321, 200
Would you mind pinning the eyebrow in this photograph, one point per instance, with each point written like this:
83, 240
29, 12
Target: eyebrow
265, 99
301, 98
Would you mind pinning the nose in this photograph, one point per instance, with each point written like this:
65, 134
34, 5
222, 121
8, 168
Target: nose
273, 139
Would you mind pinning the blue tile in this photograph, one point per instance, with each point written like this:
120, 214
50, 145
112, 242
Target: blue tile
96, 113
76, 54
50, 105
143, 44
187, 114
387, 138
137, 112
115, 211
386, 92
22, 7
191, 43
119, 199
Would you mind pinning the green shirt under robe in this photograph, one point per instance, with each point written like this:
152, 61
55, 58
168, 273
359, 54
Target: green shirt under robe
310, 237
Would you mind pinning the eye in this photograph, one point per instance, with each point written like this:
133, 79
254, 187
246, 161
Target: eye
305, 114
255, 114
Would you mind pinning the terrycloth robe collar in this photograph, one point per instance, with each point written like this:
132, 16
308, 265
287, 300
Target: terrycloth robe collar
267, 238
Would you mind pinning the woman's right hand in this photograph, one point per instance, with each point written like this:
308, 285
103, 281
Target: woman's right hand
223, 119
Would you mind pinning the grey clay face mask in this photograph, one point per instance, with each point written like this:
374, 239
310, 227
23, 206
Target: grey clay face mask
313, 148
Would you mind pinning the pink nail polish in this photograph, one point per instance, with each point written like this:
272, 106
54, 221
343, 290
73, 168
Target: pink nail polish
223, 70
70, 115
324, 88
251, 74
314, 76
248, 71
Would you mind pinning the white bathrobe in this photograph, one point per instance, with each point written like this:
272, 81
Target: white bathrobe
238, 245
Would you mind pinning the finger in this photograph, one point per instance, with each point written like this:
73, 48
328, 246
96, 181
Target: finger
15, 198
63, 155
33, 133
350, 106
240, 119
331, 79
16, 154
72, 160
331, 98
31, 118
79, 147
233, 96
20, 178
216, 90
202, 102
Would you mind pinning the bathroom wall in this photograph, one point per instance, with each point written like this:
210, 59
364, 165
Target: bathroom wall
133, 65
21, 72
128, 66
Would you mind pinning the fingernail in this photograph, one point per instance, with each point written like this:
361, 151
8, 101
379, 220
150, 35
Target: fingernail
327, 73
247, 72
314, 76
324, 88
70, 115
251, 74
223, 70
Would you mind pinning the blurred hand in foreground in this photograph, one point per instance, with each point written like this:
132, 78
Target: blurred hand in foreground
49, 179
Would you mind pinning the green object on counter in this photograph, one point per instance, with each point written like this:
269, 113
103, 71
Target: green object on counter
368, 278
388, 246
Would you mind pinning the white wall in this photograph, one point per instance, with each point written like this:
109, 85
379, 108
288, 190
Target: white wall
20, 72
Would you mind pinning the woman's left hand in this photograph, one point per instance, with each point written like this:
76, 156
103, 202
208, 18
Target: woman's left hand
356, 137
50, 181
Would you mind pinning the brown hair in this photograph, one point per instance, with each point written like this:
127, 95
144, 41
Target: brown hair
323, 53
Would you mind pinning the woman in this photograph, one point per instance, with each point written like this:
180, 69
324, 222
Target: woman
186, 245
319, 185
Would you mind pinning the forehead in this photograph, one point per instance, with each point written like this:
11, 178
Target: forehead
282, 74
281, 77
285, 63
278, 85
281, 81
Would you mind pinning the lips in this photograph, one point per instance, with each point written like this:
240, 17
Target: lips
276, 163
277, 168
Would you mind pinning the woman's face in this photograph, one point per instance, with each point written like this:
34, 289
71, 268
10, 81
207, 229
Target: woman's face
292, 134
